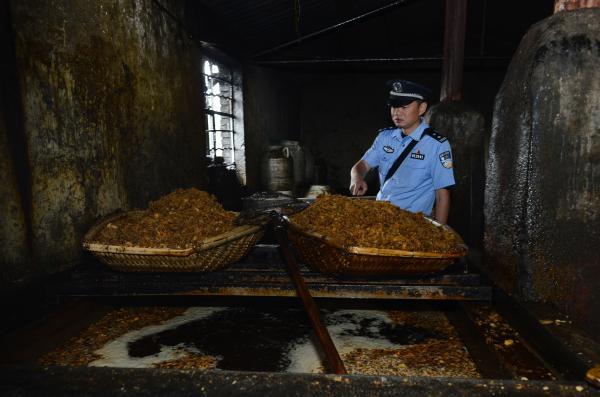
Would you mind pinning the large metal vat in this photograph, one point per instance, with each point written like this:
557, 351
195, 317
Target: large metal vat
278, 170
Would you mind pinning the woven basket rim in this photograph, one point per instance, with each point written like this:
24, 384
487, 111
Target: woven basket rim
461, 248
209, 242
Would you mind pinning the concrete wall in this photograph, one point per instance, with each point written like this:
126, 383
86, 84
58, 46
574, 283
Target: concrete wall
541, 209
109, 117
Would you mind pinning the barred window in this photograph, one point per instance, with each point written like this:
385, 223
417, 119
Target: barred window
223, 109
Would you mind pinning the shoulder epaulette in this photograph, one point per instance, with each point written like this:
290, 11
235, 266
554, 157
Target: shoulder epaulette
435, 135
387, 128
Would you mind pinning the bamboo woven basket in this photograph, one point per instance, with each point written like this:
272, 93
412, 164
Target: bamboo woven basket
213, 253
329, 257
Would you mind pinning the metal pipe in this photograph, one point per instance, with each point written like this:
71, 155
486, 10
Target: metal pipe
335, 362
330, 28
345, 60
358, 60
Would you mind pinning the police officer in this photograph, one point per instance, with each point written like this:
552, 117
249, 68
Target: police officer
415, 162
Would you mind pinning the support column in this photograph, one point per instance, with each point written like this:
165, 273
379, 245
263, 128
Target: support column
454, 50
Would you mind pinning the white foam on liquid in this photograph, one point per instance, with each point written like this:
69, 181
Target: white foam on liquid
305, 357
116, 353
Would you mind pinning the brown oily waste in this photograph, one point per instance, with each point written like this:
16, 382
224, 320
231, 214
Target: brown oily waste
179, 220
374, 224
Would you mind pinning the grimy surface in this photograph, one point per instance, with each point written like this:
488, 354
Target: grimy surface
109, 94
65, 381
541, 198
272, 339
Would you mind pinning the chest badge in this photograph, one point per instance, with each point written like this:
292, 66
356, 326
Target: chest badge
417, 155
388, 149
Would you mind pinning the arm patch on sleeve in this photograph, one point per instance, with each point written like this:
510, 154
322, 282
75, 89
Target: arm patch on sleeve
446, 159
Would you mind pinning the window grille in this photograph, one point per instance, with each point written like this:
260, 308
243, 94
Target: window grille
220, 121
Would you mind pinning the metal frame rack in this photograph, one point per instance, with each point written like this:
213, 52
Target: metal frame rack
262, 275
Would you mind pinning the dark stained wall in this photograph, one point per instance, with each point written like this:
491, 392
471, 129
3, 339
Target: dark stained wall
110, 118
13, 231
541, 211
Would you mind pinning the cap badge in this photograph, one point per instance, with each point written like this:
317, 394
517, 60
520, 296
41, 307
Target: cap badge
397, 86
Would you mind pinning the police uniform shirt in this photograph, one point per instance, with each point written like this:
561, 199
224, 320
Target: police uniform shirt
427, 167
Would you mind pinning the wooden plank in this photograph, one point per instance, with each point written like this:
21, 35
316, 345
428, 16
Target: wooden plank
333, 357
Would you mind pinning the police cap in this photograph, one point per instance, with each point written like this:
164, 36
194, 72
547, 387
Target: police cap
403, 92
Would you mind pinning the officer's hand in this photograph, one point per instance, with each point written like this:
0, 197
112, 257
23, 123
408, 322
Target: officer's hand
358, 187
